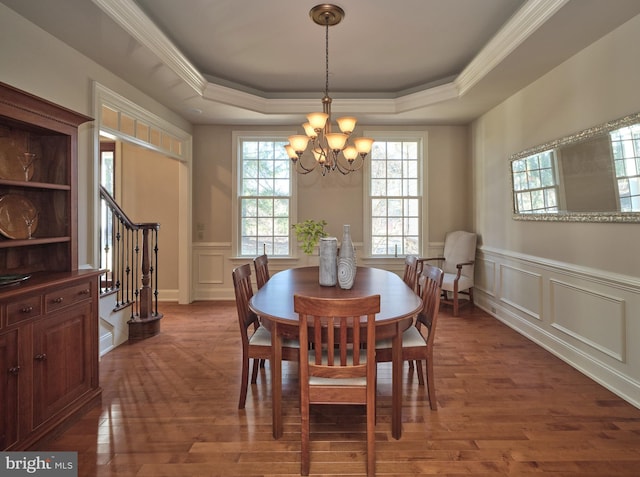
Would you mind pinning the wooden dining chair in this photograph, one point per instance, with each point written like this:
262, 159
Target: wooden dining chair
256, 339
410, 271
334, 370
418, 340
261, 265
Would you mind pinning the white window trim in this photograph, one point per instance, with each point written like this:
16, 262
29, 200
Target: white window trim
236, 137
387, 136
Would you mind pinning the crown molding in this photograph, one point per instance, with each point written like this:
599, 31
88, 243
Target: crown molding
522, 24
135, 22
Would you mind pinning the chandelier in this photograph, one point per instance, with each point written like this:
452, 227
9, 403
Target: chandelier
330, 150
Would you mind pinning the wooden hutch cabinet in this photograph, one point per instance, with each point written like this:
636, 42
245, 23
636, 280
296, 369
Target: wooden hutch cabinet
48, 308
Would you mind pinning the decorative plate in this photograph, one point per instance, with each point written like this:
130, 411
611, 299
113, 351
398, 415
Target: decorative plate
6, 280
15, 213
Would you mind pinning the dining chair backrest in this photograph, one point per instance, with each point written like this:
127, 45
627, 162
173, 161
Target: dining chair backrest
261, 265
410, 271
334, 368
430, 283
244, 291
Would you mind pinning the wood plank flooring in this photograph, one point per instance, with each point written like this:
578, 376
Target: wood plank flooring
506, 408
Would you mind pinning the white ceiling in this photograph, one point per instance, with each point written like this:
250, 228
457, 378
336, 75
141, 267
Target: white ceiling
262, 62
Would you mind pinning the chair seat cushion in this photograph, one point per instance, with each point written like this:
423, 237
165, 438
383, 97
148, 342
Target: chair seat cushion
411, 338
315, 381
463, 284
262, 337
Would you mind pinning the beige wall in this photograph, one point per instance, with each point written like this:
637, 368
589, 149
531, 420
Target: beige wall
573, 287
38, 63
335, 198
148, 192
597, 85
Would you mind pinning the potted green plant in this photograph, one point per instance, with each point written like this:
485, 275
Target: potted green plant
309, 234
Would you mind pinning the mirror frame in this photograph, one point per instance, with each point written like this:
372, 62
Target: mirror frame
564, 216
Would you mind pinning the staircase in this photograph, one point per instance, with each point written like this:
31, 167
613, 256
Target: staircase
128, 285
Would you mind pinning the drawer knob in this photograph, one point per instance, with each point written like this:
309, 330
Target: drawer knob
26, 309
41, 357
14, 370
86, 291
58, 300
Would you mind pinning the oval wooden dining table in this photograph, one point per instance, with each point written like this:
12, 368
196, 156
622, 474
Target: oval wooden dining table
274, 304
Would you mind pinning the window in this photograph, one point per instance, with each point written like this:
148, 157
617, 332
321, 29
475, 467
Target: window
626, 157
263, 196
395, 196
535, 186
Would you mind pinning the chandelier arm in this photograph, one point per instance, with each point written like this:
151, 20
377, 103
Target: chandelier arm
347, 170
304, 169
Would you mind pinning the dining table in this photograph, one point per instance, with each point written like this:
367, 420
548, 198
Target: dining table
273, 303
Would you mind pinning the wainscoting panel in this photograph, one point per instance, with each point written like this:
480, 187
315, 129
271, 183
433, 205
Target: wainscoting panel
522, 290
210, 268
593, 318
589, 318
485, 275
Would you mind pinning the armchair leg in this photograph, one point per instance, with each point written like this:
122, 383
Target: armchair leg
455, 303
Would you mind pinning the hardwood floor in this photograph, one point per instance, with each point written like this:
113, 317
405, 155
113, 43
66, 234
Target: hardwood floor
506, 407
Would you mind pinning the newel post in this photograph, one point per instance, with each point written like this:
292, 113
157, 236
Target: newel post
145, 291
147, 323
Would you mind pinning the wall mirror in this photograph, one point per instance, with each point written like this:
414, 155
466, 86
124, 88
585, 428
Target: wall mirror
590, 176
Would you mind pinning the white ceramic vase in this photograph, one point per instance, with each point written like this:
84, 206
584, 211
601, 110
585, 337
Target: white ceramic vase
328, 261
346, 260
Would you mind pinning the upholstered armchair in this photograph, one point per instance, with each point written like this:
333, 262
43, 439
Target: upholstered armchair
457, 263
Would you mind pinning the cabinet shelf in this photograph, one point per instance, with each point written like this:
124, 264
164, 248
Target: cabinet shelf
31, 242
33, 185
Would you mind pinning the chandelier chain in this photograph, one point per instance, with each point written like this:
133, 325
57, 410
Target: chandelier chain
326, 57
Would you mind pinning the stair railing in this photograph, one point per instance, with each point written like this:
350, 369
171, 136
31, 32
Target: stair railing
131, 276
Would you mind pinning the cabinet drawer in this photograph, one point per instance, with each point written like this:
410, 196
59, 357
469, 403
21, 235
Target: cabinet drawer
67, 296
23, 309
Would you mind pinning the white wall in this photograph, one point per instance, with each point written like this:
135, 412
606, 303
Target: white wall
572, 287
